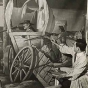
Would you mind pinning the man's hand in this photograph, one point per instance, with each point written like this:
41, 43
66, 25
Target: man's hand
51, 65
33, 46
59, 75
66, 69
52, 39
55, 65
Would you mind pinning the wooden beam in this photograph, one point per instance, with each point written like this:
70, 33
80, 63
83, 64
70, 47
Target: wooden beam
5, 35
87, 17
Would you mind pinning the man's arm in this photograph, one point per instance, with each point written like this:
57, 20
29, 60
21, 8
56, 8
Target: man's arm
58, 65
64, 48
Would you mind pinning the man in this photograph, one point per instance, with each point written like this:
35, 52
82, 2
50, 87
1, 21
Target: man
77, 74
28, 26
48, 50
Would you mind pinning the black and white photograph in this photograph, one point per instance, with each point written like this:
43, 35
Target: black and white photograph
43, 44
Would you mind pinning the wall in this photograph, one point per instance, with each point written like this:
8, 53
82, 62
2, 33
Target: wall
75, 19
1, 21
1, 16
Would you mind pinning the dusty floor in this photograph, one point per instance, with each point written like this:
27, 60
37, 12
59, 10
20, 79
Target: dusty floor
25, 84
5, 83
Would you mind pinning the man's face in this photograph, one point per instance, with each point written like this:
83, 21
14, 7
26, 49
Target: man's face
26, 26
54, 37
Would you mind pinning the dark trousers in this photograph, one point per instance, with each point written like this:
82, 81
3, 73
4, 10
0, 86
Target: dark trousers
65, 83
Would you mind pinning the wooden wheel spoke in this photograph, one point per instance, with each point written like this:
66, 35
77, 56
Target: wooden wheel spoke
26, 54
16, 63
26, 66
20, 75
19, 58
23, 53
24, 71
16, 76
27, 58
10, 53
16, 69
22, 56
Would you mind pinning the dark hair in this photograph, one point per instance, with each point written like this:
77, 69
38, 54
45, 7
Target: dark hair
81, 43
47, 41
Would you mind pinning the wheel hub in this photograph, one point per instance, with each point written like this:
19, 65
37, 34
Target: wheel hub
21, 66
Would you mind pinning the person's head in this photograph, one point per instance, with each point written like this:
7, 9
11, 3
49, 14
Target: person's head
78, 35
80, 45
61, 28
27, 24
63, 37
47, 42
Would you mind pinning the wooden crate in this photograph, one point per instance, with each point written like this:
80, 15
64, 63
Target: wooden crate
42, 74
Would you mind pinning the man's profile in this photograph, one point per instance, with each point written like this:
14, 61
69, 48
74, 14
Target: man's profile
28, 26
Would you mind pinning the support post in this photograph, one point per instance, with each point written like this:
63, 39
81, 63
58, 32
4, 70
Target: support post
87, 29
5, 35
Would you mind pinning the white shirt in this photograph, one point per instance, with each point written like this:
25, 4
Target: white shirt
78, 66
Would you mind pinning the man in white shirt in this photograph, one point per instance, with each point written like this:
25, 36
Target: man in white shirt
77, 74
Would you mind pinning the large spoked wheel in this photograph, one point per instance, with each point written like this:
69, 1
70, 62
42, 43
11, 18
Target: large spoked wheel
23, 64
7, 59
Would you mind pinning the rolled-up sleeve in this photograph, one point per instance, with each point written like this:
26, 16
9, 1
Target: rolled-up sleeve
66, 49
